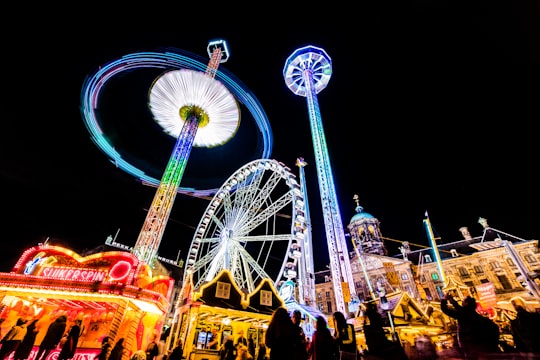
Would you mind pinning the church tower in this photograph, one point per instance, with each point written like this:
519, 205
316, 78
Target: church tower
365, 231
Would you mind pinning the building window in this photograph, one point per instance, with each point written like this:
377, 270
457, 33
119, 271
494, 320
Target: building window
494, 265
530, 259
404, 276
428, 294
463, 272
223, 290
434, 276
440, 291
504, 282
266, 297
510, 262
328, 294
478, 269
329, 308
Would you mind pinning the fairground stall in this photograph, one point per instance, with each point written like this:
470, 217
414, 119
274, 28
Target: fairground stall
112, 292
220, 305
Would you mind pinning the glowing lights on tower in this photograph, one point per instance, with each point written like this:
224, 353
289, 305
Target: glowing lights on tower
307, 72
199, 111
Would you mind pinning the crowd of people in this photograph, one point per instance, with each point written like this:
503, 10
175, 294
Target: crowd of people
20, 339
477, 337
241, 348
285, 338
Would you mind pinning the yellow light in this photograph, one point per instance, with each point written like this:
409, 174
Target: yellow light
147, 307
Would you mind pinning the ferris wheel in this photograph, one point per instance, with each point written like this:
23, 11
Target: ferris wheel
253, 227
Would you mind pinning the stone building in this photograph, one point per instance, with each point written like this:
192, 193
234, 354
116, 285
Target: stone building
493, 267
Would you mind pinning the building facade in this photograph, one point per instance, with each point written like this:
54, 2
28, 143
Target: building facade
494, 268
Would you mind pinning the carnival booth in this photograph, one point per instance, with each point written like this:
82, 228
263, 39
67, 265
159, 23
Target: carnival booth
220, 306
113, 293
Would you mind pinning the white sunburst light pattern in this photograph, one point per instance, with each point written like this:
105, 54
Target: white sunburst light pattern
180, 88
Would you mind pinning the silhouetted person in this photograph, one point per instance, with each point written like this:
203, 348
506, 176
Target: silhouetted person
118, 350
378, 344
282, 337
425, 348
152, 350
261, 354
251, 346
227, 350
70, 346
525, 328
474, 335
105, 347
241, 339
177, 352
297, 321
13, 338
345, 337
322, 345
27, 344
242, 352
54, 334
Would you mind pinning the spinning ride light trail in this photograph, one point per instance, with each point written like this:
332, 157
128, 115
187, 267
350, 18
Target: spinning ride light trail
208, 103
307, 71
95, 84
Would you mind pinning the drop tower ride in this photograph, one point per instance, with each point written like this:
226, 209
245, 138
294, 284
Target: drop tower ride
307, 72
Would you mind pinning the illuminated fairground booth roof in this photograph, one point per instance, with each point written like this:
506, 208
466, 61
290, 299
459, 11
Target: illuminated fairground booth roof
222, 299
58, 275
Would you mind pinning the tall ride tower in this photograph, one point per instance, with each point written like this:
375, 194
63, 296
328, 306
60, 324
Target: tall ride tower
307, 71
184, 102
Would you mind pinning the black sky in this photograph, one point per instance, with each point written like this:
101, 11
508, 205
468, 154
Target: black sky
431, 106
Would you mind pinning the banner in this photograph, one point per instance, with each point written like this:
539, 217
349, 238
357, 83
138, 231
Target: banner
391, 273
486, 295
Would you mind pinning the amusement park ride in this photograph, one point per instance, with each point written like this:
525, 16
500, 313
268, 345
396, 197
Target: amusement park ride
244, 229
307, 72
184, 101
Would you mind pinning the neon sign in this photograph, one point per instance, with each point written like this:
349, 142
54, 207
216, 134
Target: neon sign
64, 273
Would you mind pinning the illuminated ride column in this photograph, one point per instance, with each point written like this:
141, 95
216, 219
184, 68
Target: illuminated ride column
306, 288
307, 71
199, 111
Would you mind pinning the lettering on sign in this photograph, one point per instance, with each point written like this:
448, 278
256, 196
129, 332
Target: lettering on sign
73, 274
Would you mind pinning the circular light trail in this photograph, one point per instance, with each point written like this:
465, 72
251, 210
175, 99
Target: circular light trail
94, 85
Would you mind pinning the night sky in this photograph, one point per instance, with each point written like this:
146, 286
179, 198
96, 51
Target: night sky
432, 106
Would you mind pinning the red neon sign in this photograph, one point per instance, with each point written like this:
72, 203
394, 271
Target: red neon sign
64, 273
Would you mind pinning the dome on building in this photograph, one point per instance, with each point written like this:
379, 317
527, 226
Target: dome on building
361, 214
